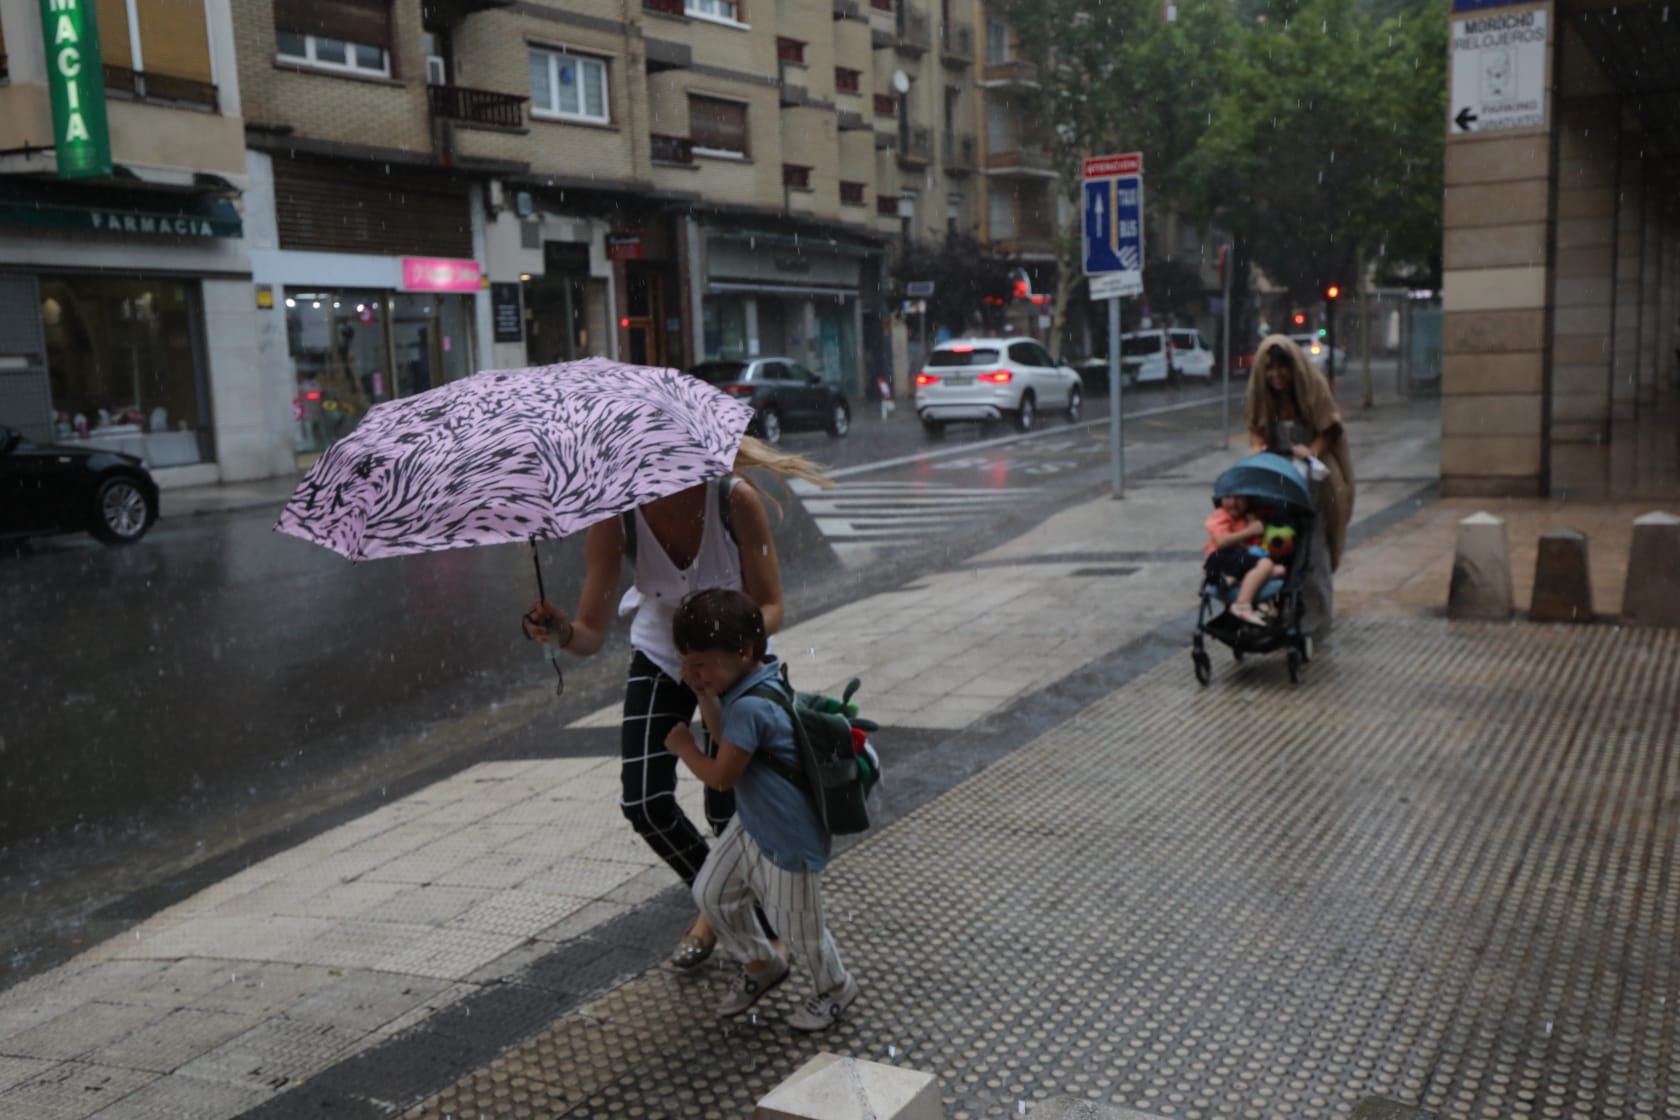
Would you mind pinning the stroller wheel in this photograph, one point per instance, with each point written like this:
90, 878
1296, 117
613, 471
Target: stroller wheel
1294, 666
1204, 667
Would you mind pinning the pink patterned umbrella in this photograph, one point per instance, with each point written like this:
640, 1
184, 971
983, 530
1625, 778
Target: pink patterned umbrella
514, 455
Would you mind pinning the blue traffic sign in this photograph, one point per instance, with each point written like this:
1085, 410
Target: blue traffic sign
1113, 218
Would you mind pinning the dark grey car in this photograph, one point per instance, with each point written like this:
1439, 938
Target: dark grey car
785, 396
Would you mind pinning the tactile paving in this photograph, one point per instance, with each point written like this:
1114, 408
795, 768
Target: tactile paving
1440, 871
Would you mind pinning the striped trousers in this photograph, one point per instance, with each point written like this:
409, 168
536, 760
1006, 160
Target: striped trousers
736, 876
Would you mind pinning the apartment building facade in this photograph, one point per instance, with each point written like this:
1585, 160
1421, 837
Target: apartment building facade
126, 307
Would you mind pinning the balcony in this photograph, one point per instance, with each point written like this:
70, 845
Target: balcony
663, 7
1021, 162
915, 146
962, 153
848, 9
956, 44
447, 12
1025, 243
1013, 73
915, 31
482, 107
675, 151
160, 87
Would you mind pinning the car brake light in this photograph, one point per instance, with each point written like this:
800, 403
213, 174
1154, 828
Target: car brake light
312, 396
997, 377
738, 390
926, 379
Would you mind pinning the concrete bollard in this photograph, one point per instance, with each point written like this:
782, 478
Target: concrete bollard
1652, 594
1562, 589
831, 1087
1481, 575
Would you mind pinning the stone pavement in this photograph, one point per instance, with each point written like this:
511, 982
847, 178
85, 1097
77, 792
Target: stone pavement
1146, 896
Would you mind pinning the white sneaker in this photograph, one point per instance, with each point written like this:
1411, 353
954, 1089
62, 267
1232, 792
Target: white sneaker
747, 989
823, 1010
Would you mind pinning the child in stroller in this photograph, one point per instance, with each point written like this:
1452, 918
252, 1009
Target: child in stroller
1253, 564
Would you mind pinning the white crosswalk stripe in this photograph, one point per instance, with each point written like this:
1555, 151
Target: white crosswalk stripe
861, 518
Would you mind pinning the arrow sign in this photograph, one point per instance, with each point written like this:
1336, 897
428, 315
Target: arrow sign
1465, 119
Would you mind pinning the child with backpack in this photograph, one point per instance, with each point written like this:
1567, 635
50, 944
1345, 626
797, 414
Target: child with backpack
777, 845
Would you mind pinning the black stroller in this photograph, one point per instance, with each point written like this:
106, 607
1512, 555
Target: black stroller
1280, 497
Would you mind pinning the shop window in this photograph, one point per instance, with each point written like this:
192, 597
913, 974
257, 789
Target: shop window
851, 194
725, 10
718, 127
724, 319
353, 349
568, 87
790, 50
157, 49
847, 81
353, 36
122, 361
796, 177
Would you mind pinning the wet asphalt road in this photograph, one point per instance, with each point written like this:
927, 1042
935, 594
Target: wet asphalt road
218, 683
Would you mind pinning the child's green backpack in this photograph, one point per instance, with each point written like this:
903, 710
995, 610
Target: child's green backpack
836, 757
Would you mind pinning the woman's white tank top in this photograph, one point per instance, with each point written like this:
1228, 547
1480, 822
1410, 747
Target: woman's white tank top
660, 585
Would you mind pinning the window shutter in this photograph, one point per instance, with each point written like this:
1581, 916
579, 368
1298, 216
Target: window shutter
354, 21
174, 40
114, 46
717, 124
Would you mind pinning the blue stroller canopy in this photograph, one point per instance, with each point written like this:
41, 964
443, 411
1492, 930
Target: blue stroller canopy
1266, 477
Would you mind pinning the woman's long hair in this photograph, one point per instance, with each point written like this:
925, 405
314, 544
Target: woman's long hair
1306, 384
757, 455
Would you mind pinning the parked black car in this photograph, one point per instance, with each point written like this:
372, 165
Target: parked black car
52, 489
784, 394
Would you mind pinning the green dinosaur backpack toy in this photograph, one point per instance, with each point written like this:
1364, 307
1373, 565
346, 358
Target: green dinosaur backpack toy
838, 764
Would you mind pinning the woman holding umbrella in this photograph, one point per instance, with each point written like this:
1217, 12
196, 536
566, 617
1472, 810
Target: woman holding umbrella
715, 534
1292, 412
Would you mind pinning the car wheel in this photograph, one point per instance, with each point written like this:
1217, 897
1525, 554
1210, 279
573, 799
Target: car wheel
1076, 405
770, 426
1027, 413
934, 428
839, 420
121, 513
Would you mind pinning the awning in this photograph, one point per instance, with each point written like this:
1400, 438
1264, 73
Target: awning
761, 288
51, 204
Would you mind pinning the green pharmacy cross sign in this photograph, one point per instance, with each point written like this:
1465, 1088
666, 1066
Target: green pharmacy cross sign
76, 78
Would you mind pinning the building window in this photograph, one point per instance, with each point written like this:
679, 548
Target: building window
796, 177
568, 87
886, 205
157, 49
881, 5
886, 105
790, 50
1000, 212
725, 10
123, 367
851, 194
847, 81
3, 70
718, 127
997, 41
353, 36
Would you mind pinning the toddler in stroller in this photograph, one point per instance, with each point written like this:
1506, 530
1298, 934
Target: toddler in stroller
1255, 556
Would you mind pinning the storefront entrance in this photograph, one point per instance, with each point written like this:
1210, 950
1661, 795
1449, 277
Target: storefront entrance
353, 349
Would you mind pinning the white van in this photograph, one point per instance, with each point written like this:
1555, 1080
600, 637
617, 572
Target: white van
1157, 355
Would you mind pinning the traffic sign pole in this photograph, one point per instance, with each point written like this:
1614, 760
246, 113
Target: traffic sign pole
1116, 422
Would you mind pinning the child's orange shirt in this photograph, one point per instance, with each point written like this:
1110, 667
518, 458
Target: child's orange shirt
1218, 524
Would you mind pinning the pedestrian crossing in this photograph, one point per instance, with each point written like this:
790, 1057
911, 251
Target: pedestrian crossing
862, 519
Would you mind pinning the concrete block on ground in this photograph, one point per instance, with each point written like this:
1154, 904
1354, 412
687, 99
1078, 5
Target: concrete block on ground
1071, 1108
1376, 1108
1562, 589
1481, 575
832, 1087
1652, 594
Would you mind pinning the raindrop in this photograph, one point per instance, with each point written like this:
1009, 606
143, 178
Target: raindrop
1548, 1030
892, 1051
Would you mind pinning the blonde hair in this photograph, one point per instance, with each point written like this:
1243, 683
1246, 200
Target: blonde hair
757, 455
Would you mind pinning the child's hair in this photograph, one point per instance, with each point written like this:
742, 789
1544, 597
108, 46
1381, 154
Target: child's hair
719, 619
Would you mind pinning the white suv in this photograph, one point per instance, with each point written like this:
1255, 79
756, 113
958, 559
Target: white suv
989, 378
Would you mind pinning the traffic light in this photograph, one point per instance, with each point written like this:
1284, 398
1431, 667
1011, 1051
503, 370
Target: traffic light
1333, 291
1300, 319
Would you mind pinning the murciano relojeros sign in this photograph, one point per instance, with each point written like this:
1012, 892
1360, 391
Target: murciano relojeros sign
76, 80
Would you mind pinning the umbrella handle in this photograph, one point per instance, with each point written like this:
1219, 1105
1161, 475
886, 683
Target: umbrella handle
536, 562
